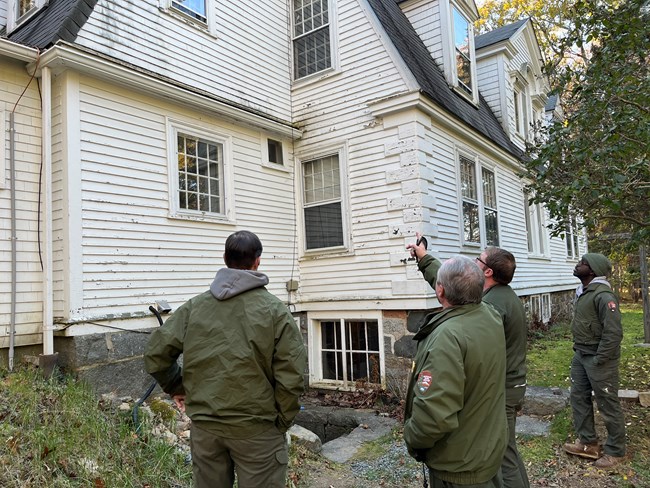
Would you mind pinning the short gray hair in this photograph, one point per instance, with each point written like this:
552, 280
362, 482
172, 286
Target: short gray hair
462, 280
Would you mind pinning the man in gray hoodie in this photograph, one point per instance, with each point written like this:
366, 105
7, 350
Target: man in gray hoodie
242, 375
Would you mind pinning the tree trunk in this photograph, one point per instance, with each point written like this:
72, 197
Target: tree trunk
644, 293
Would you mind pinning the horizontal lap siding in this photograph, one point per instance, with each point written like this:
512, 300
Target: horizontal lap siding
133, 253
13, 80
247, 61
337, 113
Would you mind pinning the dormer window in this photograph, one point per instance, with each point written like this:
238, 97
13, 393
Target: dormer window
458, 46
21, 10
463, 51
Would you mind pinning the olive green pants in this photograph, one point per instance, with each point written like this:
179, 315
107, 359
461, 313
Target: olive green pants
260, 461
495, 482
602, 379
512, 468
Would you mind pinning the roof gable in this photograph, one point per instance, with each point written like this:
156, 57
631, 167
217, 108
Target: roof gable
431, 79
498, 35
58, 20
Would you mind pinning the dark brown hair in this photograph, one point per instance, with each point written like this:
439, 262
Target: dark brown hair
242, 249
502, 263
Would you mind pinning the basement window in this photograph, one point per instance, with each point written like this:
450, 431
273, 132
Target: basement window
345, 352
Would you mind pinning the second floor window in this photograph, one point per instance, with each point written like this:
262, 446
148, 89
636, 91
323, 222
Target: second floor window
322, 203
571, 239
195, 9
311, 37
479, 206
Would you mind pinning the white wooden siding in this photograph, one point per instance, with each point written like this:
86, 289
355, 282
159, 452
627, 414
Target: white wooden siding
247, 62
424, 15
133, 253
3, 13
490, 83
13, 80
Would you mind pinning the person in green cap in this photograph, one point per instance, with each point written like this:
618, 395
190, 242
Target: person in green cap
597, 334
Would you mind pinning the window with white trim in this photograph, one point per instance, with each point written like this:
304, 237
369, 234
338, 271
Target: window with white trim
198, 13
4, 146
322, 203
521, 108
539, 308
571, 239
197, 172
464, 53
535, 228
312, 51
480, 218
19, 11
196, 9
346, 351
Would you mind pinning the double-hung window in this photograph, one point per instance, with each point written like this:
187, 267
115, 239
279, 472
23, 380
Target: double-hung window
571, 239
322, 203
521, 107
346, 351
535, 228
480, 223
312, 50
197, 173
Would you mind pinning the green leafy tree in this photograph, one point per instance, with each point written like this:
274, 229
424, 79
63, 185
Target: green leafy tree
594, 162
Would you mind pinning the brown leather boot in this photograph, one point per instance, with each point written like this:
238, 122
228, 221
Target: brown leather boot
608, 461
589, 451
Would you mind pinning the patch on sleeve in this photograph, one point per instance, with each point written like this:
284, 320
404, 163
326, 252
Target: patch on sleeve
424, 381
612, 306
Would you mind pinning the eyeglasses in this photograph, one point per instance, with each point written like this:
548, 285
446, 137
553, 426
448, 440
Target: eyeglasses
481, 261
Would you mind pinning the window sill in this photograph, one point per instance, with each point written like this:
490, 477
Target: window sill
201, 217
540, 257
466, 96
277, 167
313, 254
316, 77
194, 24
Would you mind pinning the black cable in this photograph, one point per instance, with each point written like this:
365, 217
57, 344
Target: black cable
425, 483
136, 407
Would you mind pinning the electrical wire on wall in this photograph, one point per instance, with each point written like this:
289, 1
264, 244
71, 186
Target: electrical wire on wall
14, 236
293, 156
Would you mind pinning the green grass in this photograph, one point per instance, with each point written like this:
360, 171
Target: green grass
548, 361
549, 358
55, 433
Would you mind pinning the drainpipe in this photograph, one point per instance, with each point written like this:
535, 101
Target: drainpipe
46, 138
12, 177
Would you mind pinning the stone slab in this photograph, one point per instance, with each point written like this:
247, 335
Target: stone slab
532, 426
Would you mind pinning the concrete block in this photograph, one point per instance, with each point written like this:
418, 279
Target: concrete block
628, 395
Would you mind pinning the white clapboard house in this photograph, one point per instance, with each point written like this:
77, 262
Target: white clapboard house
136, 135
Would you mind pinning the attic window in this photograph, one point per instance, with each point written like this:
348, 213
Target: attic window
21, 10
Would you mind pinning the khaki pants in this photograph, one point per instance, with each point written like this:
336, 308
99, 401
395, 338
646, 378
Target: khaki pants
260, 461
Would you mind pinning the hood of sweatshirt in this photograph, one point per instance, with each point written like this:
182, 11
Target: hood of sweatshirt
598, 279
232, 282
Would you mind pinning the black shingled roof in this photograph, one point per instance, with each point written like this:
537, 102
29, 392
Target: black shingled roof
431, 78
58, 20
497, 35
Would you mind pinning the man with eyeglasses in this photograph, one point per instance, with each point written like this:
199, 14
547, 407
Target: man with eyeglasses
498, 267
454, 417
597, 334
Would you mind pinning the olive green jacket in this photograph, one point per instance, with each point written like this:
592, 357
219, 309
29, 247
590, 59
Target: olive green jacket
455, 407
596, 324
513, 315
243, 357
